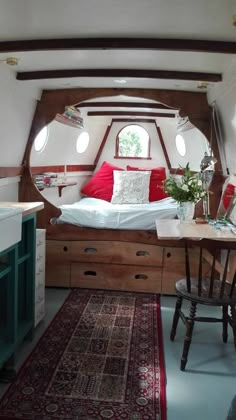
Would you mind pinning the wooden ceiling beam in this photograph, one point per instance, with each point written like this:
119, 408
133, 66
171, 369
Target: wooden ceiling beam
131, 113
146, 74
159, 44
122, 104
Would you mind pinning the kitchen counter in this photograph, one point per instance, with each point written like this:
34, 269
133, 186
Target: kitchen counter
27, 207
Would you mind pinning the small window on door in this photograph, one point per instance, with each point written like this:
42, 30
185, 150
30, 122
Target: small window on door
133, 141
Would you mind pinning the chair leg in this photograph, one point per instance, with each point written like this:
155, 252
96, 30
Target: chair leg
233, 322
176, 317
225, 323
188, 336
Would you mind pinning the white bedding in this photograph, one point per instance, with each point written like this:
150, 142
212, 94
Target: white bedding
100, 214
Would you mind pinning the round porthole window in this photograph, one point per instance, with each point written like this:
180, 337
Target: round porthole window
41, 140
180, 145
82, 142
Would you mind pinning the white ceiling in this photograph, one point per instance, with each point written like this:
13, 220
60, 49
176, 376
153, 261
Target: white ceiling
182, 19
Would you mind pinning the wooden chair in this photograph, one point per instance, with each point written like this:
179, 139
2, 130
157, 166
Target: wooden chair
214, 287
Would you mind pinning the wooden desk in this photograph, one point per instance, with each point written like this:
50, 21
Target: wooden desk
175, 229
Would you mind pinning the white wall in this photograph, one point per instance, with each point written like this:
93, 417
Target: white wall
17, 107
224, 95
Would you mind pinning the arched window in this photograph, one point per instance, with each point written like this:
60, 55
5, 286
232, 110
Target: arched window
133, 141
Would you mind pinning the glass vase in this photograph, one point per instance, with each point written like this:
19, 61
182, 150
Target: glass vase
185, 211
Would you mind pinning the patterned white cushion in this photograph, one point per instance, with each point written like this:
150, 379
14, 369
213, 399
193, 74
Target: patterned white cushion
131, 187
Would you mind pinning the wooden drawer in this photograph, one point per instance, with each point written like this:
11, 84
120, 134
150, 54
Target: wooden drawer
57, 275
117, 253
116, 277
58, 251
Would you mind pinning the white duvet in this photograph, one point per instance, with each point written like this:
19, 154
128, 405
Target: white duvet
96, 213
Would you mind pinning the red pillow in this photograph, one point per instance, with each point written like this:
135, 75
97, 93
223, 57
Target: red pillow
101, 183
228, 192
158, 175
227, 196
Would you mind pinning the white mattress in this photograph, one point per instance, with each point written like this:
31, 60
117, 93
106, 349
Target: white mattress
100, 214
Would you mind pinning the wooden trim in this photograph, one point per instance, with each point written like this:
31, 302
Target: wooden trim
98, 104
167, 44
61, 168
133, 120
193, 104
10, 171
134, 158
103, 142
163, 146
134, 113
147, 74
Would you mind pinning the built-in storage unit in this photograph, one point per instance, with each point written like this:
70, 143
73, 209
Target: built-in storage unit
39, 310
112, 265
116, 265
17, 290
17, 286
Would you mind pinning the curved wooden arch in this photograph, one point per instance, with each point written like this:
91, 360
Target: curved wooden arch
192, 104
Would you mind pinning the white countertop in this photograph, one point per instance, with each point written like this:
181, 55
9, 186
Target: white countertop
27, 208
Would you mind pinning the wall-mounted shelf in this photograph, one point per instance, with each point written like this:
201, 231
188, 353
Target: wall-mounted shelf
59, 186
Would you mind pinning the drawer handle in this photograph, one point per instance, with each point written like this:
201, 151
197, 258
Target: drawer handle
142, 253
65, 248
168, 255
90, 273
90, 250
141, 277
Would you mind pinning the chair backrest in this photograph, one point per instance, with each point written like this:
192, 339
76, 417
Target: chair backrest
221, 275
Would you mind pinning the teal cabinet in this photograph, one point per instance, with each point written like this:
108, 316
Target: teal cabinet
17, 289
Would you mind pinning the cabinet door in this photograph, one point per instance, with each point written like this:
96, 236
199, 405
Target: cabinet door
39, 310
8, 305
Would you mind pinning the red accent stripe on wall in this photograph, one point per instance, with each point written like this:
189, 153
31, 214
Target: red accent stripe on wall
10, 171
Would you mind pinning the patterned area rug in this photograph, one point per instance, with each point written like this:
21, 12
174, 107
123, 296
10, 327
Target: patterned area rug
100, 358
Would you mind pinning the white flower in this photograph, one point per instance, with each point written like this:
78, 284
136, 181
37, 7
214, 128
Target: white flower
185, 187
190, 182
199, 183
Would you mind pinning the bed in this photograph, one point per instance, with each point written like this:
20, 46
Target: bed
96, 244
101, 214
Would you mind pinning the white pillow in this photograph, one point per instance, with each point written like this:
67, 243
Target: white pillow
131, 187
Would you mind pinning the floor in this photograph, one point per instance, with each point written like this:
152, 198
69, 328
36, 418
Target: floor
204, 391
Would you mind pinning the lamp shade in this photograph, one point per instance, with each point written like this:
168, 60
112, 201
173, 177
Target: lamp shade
207, 162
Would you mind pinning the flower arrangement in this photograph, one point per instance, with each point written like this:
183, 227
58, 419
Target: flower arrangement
187, 188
